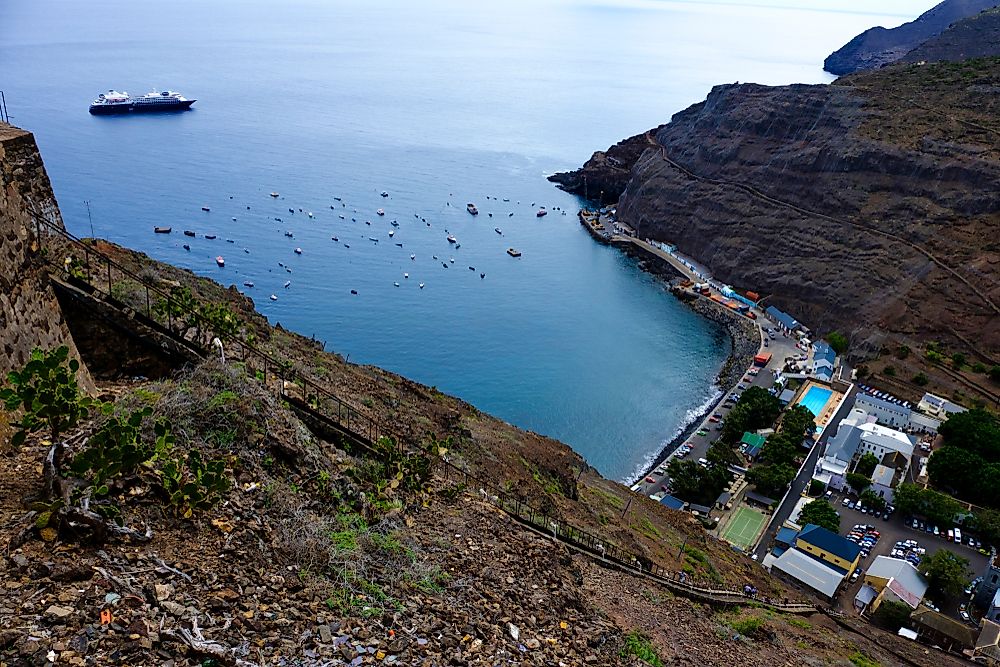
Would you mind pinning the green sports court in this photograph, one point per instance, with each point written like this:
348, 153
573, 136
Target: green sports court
743, 527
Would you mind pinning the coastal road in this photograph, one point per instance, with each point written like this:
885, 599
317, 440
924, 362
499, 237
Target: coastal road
780, 348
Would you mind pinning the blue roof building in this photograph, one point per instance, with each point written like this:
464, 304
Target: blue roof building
784, 320
786, 536
829, 547
672, 503
823, 351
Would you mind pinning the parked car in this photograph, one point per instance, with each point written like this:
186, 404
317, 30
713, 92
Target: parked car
965, 616
845, 502
936, 531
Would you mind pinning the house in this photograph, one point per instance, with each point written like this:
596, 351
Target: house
785, 322
987, 648
832, 468
823, 361
885, 479
786, 537
942, 630
672, 503
829, 547
751, 444
935, 406
991, 581
993, 611
815, 574
880, 440
896, 580
886, 412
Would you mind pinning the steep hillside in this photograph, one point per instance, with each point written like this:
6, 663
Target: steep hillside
868, 206
977, 36
879, 46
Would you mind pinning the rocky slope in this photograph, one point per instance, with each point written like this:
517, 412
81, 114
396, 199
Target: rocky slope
879, 46
973, 37
868, 206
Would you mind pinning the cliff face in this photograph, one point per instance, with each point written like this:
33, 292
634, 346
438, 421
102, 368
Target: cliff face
974, 37
29, 313
879, 46
869, 206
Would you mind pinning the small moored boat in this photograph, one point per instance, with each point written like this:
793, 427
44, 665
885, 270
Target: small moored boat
220, 261
380, 212
498, 231
541, 212
247, 283
188, 232
513, 252
162, 230
274, 297
275, 195
298, 251
211, 237
452, 239
205, 208
186, 246
471, 208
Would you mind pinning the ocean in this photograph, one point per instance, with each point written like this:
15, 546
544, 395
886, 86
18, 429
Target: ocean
440, 103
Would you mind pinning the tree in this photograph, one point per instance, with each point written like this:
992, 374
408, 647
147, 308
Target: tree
858, 482
866, 464
975, 430
695, 483
837, 341
958, 360
771, 480
756, 409
816, 487
920, 380
947, 574
902, 352
908, 498
986, 522
995, 373
871, 499
892, 615
780, 448
954, 468
821, 513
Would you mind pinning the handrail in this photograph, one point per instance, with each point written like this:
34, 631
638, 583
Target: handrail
345, 415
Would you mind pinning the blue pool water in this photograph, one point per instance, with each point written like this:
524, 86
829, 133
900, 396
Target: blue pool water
440, 103
815, 399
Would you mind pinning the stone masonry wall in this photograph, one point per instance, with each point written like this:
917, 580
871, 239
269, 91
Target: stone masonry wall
29, 312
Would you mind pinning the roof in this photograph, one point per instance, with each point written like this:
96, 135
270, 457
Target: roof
906, 632
830, 542
941, 624
902, 572
723, 498
753, 439
883, 475
989, 638
786, 535
809, 571
787, 395
784, 319
824, 373
866, 595
823, 352
672, 503
900, 591
875, 401
886, 438
759, 498
701, 509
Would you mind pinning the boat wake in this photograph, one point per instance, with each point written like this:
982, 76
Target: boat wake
691, 417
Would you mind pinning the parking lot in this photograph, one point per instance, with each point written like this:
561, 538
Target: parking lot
893, 531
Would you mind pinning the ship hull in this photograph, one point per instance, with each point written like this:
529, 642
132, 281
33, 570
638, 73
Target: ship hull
117, 109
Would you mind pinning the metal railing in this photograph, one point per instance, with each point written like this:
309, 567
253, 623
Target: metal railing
97, 273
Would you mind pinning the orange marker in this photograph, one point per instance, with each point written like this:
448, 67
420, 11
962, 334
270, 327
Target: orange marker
105, 616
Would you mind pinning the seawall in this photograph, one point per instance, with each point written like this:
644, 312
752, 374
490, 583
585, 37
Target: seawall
29, 312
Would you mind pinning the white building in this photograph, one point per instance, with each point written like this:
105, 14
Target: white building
936, 406
886, 412
884, 480
881, 440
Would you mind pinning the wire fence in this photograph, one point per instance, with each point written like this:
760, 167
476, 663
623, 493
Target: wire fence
97, 272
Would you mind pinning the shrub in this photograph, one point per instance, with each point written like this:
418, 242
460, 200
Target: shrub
749, 626
639, 646
193, 484
920, 380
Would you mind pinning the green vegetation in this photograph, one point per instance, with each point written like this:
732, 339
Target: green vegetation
866, 464
47, 393
958, 360
194, 484
821, 513
639, 646
816, 487
756, 409
748, 626
920, 380
858, 482
968, 464
947, 573
892, 615
872, 500
695, 483
775, 468
117, 450
935, 507
799, 623
859, 659
837, 341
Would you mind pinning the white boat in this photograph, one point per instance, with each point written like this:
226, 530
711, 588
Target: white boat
406, 275
287, 283
298, 251
274, 297
391, 232
396, 284
452, 239
413, 256
380, 212
220, 261
247, 283
421, 285
498, 231
274, 194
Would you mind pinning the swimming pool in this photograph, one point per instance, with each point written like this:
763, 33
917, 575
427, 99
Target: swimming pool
815, 399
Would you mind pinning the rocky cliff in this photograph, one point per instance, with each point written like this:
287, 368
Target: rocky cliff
973, 37
879, 46
29, 314
869, 206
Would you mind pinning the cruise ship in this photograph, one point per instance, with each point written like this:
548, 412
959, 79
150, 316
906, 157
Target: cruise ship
121, 102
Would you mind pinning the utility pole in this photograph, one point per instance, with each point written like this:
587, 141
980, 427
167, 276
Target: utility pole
91, 219
3, 109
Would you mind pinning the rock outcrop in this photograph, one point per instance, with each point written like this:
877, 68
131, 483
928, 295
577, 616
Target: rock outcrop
973, 37
29, 314
879, 46
869, 206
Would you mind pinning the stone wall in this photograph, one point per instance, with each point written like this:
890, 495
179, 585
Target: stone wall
29, 312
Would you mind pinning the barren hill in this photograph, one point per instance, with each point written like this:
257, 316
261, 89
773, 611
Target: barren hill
977, 36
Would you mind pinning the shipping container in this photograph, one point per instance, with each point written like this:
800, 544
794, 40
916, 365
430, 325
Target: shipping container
762, 359
753, 296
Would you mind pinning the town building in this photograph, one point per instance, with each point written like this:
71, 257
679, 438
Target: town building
882, 440
886, 412
935, 406
829, 547
823, 361
943, 630
888, 474
993, 611
991, 581
818, 558
987, 648
785, 322
891, 579
751, 444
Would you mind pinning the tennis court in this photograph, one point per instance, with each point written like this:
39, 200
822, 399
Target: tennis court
743, 527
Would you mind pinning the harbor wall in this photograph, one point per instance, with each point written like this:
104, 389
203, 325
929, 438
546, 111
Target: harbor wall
30, 315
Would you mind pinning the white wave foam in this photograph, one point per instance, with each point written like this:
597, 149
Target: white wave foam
690, 417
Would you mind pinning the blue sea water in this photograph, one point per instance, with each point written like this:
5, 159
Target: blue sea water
438, 103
